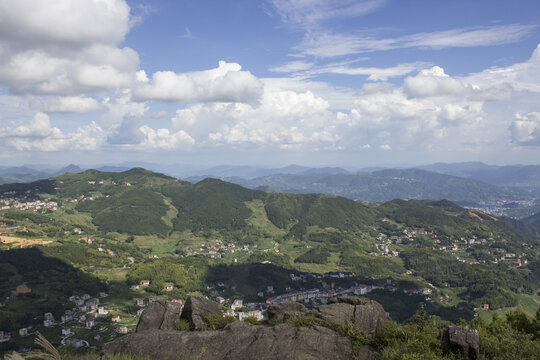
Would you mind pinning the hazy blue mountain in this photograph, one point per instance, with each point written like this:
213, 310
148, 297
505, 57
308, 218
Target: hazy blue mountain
510, 175
385, 185
70, 169
23, 174
534, 222
252, 172
110, 168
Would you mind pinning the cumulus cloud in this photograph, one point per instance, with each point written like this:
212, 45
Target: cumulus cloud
39, 135
63, 22
65, 47
165, 140
435, 82
525, 129
132, 134
432, 82
283, 118
226, 83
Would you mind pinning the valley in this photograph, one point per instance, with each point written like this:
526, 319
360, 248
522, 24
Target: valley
137, 236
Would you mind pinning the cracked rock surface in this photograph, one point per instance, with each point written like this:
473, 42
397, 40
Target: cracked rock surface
161, 315
240, 340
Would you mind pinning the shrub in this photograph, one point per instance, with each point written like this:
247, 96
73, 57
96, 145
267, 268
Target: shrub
252, 320
182, 325
217, 322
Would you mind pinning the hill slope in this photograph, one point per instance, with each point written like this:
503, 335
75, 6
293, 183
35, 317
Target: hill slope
312, 233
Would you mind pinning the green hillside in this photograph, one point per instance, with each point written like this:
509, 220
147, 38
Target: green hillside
465, 254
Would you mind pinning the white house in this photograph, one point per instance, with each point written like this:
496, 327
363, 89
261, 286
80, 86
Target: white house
237, 304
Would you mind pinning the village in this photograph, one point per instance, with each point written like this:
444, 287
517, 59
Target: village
385, 245
9, 202
88, 320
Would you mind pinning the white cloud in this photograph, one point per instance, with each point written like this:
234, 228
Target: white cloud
525, 129
76, 23
435, 82
65, 47
226, 83
39, 135
374, 73
67, 104
326, 44
293, 66
165, 140
283, 118
309, 13
304, 70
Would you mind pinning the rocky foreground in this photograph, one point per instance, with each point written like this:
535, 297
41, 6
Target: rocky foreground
157, 338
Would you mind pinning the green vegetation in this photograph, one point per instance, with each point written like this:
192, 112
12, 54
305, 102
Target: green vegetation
49, 279
494, 284
186, 274
318, 255
182, 325
217, 322
215, 232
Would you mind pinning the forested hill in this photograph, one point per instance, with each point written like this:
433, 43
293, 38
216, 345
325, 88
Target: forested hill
140, 202
434, 242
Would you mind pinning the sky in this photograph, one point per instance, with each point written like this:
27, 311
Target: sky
270, 82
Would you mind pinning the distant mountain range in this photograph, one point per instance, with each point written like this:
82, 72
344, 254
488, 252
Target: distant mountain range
504, 190
385, 185
23, 174
510, 175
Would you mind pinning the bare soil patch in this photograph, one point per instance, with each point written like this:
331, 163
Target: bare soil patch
16, 241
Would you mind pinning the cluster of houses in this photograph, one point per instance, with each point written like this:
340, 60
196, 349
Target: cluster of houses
83, 315
384, 242
219, 249
499, 207
242, 315
321, 296
22, 204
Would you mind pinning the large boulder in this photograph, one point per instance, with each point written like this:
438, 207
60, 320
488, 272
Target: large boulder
240, 340
366, 314
282, 311
462, 340
160, 314
196, 309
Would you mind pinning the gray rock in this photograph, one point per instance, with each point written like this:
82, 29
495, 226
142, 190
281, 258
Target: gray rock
463, 340
160, 314
240, 340
283, 310
366, 314
196, 309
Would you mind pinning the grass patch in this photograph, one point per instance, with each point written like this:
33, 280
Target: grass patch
260, 220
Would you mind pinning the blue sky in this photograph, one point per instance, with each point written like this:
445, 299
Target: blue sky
313, 82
